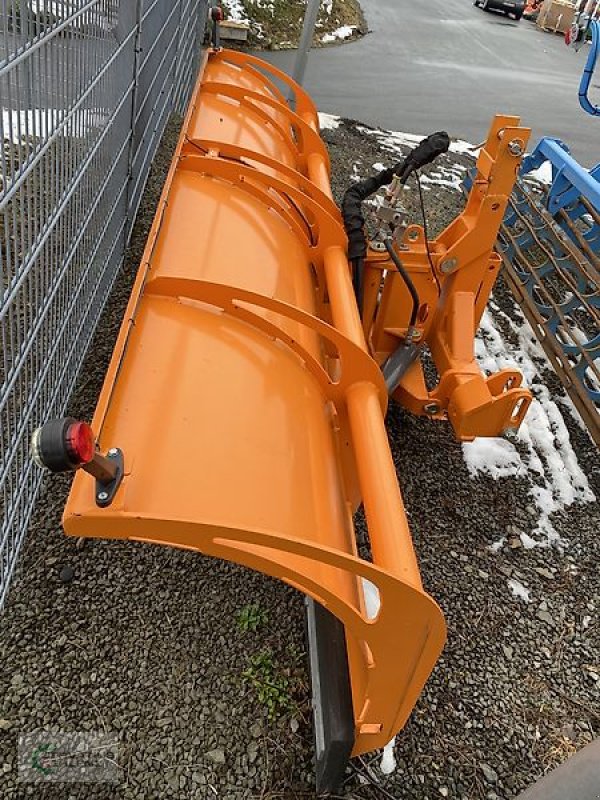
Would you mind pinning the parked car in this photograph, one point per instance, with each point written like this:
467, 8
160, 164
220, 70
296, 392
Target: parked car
514, 7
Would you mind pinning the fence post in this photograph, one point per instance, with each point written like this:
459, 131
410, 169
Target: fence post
176, 62
134, 93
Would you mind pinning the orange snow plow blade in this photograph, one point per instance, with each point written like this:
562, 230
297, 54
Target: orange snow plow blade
242, 396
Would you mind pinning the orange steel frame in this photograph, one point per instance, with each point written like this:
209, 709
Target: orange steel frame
209, 318
453, 275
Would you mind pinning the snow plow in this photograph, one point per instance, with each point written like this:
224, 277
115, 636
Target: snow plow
243, 411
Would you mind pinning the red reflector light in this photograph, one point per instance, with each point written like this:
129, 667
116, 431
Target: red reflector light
80, 443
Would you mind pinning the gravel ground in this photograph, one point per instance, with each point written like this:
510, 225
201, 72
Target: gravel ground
184, 657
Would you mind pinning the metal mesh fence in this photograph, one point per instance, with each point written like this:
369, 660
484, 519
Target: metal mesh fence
86, 89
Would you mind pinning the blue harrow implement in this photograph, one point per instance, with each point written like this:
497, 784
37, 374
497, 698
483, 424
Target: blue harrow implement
550, 245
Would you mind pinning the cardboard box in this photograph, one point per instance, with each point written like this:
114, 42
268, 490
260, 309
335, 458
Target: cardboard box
556, 15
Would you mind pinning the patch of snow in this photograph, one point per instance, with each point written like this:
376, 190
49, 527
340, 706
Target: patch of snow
396, 140
355, 172
588, 220
345, 32
328, 122
57, 9
388, 761
496, 457
236, 12
542, 174
452, 181
379, 166
463, 148
392, 140
527, 542
497, 546
61, 10
372, 598
541, 450
518, 590
37, 122
449, 177
455, 172
327, 7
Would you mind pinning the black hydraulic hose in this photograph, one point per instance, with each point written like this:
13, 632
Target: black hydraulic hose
407, 280
400, 361
354, 221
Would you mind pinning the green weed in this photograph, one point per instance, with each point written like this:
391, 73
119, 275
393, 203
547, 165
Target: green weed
252, 617
273, 687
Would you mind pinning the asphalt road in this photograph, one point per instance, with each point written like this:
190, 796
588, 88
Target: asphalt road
431, 64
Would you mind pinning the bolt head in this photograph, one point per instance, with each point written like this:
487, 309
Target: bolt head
102, 495
515, 148
449, 265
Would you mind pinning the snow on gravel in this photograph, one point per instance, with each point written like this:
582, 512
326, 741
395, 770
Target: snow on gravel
452, 179
61, 10
18, 125
449, 175
396, 140
518, 589
39, 123
388, 760
541, 451
497, 457
543, 173
236, 11
328, 122
340, 34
